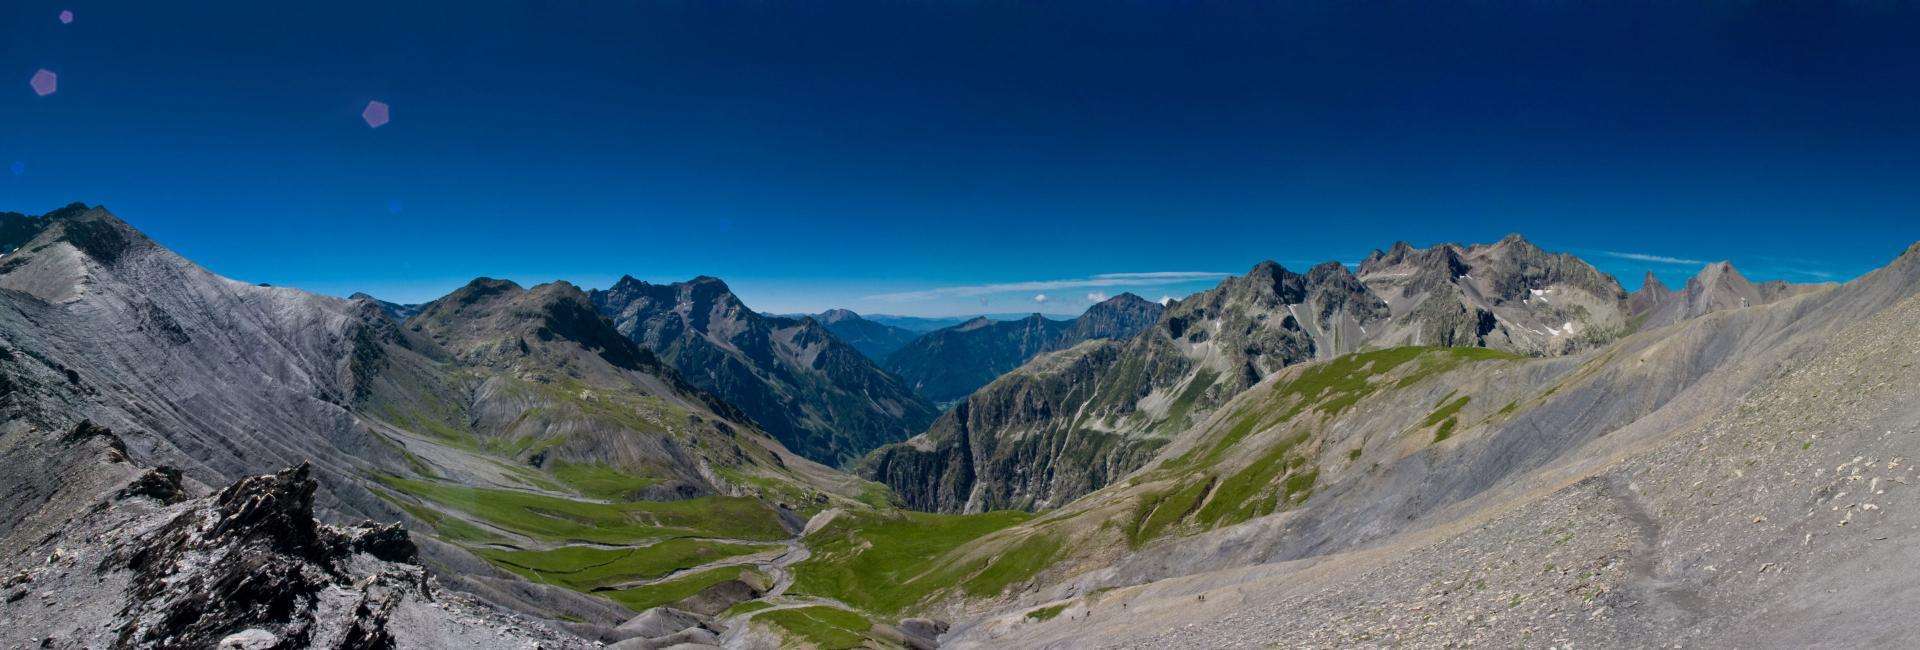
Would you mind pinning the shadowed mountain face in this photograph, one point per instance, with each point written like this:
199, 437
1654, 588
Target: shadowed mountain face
1058, 428
816, 394
948, 364
876, 340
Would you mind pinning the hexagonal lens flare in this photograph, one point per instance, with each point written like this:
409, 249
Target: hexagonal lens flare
375, 115
45, 82
66, 16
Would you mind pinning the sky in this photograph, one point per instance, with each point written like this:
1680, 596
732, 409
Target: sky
946, 158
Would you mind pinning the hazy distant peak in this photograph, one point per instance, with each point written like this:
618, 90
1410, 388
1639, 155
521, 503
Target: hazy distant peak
836, 315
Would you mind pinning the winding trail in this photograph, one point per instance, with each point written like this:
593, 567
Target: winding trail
781, 568
1673, 601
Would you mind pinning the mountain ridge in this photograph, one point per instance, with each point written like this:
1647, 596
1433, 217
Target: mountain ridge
947, 364
816, 394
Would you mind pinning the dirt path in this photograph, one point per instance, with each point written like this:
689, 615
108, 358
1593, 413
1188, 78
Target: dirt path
1674, 602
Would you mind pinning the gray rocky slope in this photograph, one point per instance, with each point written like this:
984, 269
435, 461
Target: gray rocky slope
496, 388
948, 364
1739, 479
817, 395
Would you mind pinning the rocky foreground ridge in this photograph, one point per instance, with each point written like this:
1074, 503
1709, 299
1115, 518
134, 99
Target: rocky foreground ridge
151, 562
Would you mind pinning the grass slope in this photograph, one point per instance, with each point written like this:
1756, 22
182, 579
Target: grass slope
888, 562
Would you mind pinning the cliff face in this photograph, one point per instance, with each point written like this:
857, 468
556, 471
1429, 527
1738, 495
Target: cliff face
1015, 443
817, 395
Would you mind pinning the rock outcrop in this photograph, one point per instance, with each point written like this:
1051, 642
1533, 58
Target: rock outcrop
140, 565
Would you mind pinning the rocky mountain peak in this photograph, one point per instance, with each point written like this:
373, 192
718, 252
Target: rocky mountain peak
1516, 240
1652, 285
1395, 254
708, 289
1721, 276
92, 230
1272, 284
1118, 317
832, 316
1331, 273
479, 289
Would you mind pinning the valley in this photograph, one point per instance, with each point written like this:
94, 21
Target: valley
1460, 443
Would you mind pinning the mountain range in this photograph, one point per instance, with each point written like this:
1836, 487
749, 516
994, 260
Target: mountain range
1486, 444
871, 338
819, 396
948, 364
1100, 411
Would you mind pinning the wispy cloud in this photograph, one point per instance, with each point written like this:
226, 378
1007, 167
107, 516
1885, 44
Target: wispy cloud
1162, 275
1096, 296
1657, 259
1146, 279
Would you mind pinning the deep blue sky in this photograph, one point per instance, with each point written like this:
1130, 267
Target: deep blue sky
820, 154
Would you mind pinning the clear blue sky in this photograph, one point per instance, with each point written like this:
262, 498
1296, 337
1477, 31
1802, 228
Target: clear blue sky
893, 156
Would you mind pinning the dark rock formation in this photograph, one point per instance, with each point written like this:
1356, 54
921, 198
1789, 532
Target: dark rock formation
815, 394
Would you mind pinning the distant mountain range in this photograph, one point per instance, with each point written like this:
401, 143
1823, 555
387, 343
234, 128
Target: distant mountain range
948, 364
924, 324
871, 338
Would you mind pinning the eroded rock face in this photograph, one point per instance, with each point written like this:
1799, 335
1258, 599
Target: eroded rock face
255, 559
146, 566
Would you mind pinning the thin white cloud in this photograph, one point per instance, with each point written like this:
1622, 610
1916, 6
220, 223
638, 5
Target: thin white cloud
1148, 279
1163, 275
1657, 259
1096, 296
1166, 300
1040, 298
